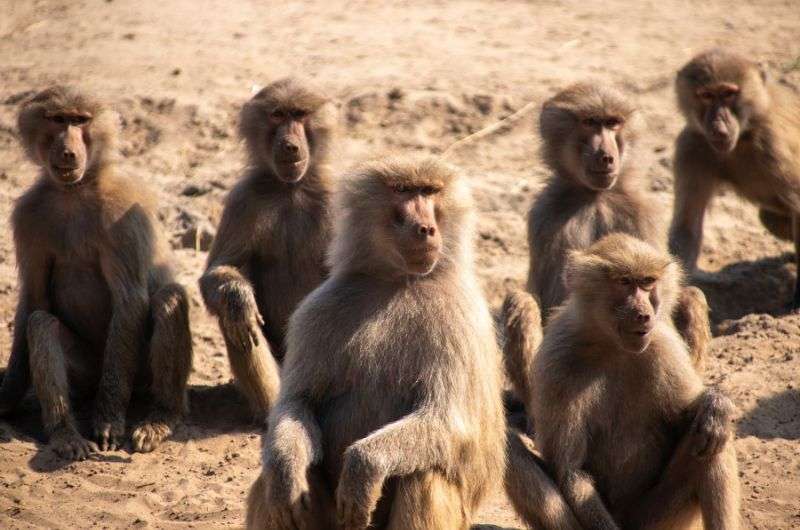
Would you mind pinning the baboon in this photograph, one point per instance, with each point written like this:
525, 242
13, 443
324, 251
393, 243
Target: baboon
629, 436
390, 411
589, 134
269, 252
99, 312
743, 130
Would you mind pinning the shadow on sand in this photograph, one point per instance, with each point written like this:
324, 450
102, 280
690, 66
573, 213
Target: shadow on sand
761, 286
774, 417
214, 410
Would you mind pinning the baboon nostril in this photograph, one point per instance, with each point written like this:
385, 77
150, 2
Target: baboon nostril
291, 148
68, 155
643, 318
425, 230
608, 159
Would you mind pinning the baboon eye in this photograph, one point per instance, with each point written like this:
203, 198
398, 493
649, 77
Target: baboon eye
58, 118
277, 114
624, 281
613, 123
648, 283
729, 96
399, 188
80, 120
589, 122
705, 95
299, 114
427, 190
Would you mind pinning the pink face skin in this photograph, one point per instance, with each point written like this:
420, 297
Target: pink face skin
288, 145
415, 230
717, 114
635, 303
63, 148
601, 150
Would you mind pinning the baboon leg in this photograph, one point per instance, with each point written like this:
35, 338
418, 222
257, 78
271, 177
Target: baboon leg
322, 510
170, 361
51, 345
532, 492
522, 321
689, 486
428, 501
779, 225
256, 371
691, 319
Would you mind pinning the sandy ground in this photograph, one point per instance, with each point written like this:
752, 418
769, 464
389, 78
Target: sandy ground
412, 76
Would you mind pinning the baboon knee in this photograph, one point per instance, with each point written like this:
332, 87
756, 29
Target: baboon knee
170, 302
778, 225
691, 319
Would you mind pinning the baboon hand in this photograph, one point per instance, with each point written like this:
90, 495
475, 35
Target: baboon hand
713, 424
359, 490
289, 503
109, 433
240, 314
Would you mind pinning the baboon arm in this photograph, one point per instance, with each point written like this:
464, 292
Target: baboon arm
227, 262
419, 441
294, 440
34, 266
124, 265
695, 182
566, 449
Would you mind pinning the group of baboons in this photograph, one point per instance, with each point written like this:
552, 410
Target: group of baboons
354, 320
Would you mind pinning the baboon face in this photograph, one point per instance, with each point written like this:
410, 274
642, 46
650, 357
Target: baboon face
596, 154
413, 229
717, 111
634, 304
62, 146
624, 287
286, 146
719, 92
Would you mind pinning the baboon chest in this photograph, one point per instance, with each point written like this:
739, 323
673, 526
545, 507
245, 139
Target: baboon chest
289, 262
80, 296
630, 443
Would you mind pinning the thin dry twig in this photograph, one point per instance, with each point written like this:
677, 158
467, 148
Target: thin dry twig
491, 129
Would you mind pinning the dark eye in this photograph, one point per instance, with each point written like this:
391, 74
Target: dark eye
298, 114
277, 114
58, 118
80, 120
400, 188
624, 281
705, 95
589, 122
648, 283
613, 123
427, 190
730, 96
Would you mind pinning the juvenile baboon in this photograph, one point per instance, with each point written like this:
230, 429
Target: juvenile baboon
629, 436
390, 407
589, 134
269, 252
99, 312
742, 130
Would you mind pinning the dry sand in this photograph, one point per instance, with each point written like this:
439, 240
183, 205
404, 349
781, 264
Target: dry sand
411, 76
